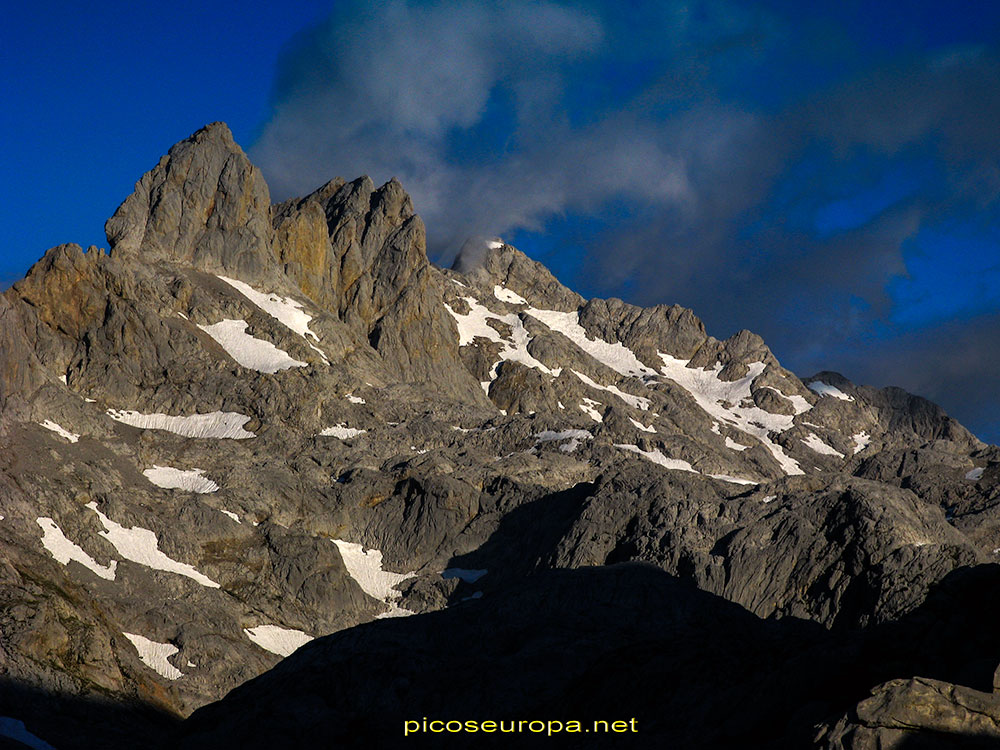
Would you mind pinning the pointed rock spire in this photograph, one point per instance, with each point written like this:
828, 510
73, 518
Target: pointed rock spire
203, 204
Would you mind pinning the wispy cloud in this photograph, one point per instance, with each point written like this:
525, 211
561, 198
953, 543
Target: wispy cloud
486, 112
769, 166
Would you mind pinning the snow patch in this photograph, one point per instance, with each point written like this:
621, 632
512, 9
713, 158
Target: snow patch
573, 436
825, 389
15, 729
861, 441
769, 499
469, 576
142, 547
342, 431
217, 424
354, 399
189, 480
799, 403
231, 515
285, 310
641, 426
280, 641
675, 463
48, 424
588, 408
365, 567
658, 458
63, 550
616, 356
723, 401
249, 351
817, 444
154, 655
975, 474
506, 295
734, 480
473, 325
636, 402
732, 444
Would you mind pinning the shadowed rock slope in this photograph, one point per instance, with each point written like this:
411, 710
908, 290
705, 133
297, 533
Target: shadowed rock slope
247, 426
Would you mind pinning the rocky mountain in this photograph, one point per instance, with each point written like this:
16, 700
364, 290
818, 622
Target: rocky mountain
251, 431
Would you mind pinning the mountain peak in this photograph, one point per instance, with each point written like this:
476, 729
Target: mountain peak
204, 204
252, 426
216, 131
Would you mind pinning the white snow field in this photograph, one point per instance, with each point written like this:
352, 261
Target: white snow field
342, 431
589, 407
48, 424
817, 444
636, 402
507, 295
154, 655
217, 424
861, 441
616, 356
677, 464
285, 310
723, 400
63, 550
825, 389
189, 480
249, 351
640, 426
658, 458
280, 641
141, 546
473, 325
365, 567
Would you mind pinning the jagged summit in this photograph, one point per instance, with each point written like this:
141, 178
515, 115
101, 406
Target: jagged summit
203, 204
253, 425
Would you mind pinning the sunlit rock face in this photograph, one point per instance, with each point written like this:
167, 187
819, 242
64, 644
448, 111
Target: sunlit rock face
249, 427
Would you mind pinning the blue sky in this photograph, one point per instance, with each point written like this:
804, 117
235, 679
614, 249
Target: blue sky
826, 177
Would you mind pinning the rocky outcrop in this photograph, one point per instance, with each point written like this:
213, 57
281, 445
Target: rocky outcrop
845, 553
20, 374
360, 252
249, 426
204, 204
918, 712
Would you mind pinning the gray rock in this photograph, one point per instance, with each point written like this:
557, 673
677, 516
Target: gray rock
483, 417
203, 204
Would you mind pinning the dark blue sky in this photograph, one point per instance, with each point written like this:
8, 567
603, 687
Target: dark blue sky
828, 178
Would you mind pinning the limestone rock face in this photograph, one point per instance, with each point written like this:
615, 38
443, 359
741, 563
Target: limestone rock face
919, 712
20, 373
204, 204
360, 253
249, 427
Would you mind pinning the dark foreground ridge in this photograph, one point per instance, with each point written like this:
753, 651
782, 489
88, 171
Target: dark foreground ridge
254, 431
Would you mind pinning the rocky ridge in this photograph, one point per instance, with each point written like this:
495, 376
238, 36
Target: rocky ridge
251, 425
